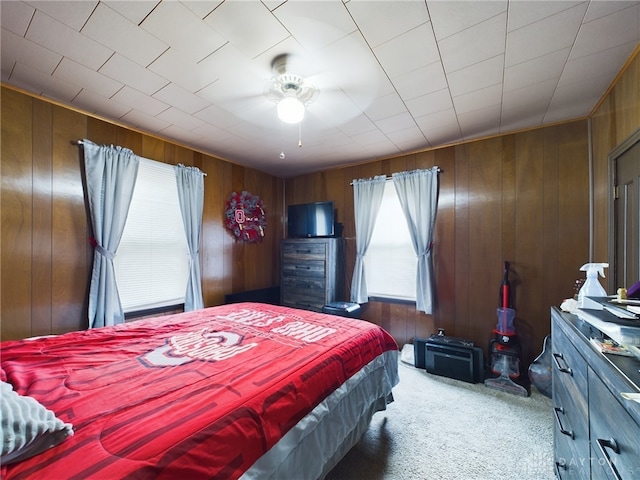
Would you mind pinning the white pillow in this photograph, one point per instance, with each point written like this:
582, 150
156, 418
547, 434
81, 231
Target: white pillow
28, 428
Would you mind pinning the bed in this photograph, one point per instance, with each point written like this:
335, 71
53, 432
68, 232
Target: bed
246, 390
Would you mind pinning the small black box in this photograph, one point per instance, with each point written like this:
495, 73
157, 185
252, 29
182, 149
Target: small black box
450, 357
343, 309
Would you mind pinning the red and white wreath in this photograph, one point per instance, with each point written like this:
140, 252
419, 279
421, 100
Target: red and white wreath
245, 216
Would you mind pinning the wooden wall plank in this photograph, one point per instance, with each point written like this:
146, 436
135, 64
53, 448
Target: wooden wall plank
16, 215
42, 265
71, 271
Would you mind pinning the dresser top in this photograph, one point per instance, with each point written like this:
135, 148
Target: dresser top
629, 367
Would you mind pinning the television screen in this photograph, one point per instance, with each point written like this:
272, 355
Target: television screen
310, 220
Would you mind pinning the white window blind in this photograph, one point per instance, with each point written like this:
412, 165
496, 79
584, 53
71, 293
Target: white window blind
152, 261
390, 262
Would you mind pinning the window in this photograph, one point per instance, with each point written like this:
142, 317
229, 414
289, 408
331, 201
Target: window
391, 262
152, 261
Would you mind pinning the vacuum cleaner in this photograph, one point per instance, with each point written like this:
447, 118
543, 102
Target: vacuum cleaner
504, 350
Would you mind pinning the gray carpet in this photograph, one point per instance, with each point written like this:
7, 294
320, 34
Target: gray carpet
441, 428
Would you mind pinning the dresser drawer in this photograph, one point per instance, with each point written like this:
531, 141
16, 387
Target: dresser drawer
571, 434
305, 301
615, 442
304, 251
569, 368
309, 284
312, 268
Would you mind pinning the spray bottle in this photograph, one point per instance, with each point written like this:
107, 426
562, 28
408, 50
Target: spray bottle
592, 287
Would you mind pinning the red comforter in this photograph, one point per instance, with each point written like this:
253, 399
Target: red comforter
196, 395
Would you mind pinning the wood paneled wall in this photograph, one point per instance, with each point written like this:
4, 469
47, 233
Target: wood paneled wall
522, 198
615, 119
46, 259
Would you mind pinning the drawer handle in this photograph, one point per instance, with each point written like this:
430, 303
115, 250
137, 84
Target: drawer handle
303, 267
568, 433
557, 356
303, 251
613, 445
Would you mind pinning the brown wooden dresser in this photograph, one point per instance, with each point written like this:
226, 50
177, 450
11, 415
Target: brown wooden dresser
312, 272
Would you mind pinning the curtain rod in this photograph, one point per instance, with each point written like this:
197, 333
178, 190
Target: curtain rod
80, 142
389, 177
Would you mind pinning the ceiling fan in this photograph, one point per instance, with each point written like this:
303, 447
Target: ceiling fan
290, 91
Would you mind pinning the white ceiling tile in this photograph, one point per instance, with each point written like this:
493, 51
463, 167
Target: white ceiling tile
545, 36
180, 134
76, 74
430, 103
600, 9
536, 70
16, 16
475, 44
191, 76
64, 40
565, 95
482, 98
385, 106
564, 111
137, 77
36, 81
29, 53
98, 104
357, 126
362, 80
606, 32
418, 49
523, 13
200, 8
480, 123
139, 101
216, 116
409, 139
603, 62
210, 131
398, 122
440, 127
180, 98
195, 39
451, 17
382, 21
134, 11
480, 75
316, 24
139, 119
118, 33
258, 31
421, 82
528, 104
71, 13
178, 117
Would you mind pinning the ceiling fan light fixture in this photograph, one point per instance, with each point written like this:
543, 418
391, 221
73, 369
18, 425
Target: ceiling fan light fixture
290, 110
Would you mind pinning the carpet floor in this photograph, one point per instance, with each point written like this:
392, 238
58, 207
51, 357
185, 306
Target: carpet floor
441, 428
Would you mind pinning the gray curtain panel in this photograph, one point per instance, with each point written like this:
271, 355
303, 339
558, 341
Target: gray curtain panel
190, 182
418, 194
367, 198
111, 174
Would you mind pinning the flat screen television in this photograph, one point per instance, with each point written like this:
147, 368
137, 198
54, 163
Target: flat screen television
310, 220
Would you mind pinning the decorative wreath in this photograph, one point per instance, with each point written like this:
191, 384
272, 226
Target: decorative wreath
245, 216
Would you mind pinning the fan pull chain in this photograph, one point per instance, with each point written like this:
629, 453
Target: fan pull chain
300, 135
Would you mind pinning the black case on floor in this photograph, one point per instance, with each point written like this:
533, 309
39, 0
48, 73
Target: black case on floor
450, 357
